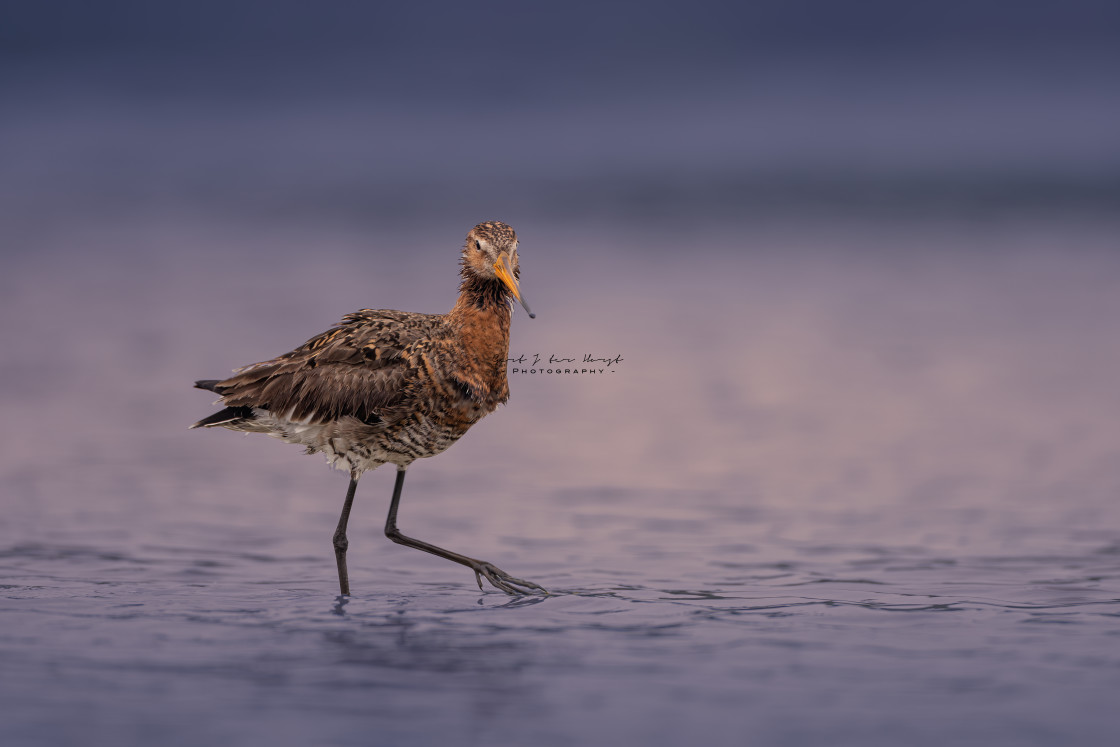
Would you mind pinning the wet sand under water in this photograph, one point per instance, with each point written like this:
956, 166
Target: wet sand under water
882, 510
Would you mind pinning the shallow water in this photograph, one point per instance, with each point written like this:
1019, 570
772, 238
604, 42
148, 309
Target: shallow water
857, 490
672, 617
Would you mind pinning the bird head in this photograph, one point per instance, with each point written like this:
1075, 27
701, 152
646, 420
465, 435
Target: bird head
491, 254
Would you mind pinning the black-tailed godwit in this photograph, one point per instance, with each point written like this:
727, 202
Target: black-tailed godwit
392, 387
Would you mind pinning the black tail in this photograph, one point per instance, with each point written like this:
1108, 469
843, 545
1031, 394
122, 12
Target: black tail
228, 415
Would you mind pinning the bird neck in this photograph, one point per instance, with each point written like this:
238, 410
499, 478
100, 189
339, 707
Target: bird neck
481, 318
483, 299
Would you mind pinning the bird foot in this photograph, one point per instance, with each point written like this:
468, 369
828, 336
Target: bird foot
499, 579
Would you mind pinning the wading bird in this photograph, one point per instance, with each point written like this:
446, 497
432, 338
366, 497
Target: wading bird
391, 387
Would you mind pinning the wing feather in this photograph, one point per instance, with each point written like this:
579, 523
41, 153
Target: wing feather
362, 368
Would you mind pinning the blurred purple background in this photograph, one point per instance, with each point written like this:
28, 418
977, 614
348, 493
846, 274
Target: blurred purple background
860, 260
371, 115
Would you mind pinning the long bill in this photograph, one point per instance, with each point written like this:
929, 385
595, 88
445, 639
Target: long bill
505, 274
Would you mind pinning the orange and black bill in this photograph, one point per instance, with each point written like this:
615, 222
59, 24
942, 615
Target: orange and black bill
505, 274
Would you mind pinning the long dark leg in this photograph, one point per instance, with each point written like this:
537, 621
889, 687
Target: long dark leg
340, 541
496, 576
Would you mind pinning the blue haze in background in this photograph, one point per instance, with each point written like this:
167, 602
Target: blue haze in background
366, 111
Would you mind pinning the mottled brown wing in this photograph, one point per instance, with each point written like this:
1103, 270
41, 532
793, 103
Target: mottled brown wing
360, 368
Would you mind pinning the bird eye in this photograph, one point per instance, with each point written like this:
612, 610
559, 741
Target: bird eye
478, 245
